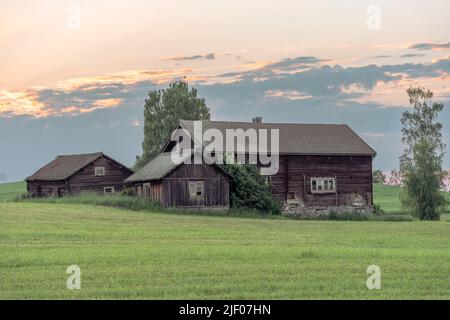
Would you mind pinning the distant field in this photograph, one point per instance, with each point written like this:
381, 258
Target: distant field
11, 190
127, 255
388, 198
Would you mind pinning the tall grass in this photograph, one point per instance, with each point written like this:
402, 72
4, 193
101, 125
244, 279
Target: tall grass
140, 204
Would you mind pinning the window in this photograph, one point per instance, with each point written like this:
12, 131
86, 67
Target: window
323, 185
99, 171
108, 190
196, 189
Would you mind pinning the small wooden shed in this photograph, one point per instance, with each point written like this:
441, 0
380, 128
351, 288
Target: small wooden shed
71, 174
182, 185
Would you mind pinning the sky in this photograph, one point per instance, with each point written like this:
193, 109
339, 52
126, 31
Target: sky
74, 74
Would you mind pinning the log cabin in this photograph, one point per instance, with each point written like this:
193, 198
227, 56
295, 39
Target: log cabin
323, 168
183, 185
72, 174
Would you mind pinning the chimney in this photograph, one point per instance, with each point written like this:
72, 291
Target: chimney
257, 120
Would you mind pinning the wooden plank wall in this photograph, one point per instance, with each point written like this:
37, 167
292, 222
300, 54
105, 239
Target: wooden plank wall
47, 188
86, 181
353, 174
176, 186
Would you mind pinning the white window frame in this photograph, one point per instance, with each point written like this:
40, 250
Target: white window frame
106, 188
193, 186
322, 185
99, 171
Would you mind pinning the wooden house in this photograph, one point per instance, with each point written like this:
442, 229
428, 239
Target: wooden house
182, 185
322, 167
71, 174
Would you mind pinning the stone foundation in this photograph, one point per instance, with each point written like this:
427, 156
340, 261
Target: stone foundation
297, 208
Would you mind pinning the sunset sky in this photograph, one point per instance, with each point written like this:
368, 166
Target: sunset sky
74, 74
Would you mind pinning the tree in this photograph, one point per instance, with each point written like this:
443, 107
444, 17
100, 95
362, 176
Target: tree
162, 111
395, 178
379, 176
249, 190
421, 162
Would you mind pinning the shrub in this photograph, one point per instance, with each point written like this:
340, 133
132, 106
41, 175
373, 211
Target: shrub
377, 210
249, 190
127, 192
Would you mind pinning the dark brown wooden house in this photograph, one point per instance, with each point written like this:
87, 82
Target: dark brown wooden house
322, 167
71, 174
182, 185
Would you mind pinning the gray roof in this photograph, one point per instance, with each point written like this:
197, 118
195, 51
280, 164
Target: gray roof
65, 166
161, 166
155, 169
301, 139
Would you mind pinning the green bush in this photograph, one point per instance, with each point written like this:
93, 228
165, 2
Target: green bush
377, 210
249, 190
127, 192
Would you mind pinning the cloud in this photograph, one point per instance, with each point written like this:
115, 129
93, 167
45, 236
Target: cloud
297, 79
374, 134
286, 94
208, 56
412, 55
380, 57
430, 46
81, 95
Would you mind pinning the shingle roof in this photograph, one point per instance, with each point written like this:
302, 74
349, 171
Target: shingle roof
156, 169
64, 166
302, 139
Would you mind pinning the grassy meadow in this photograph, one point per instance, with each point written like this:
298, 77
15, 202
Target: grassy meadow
11, 190
127, 254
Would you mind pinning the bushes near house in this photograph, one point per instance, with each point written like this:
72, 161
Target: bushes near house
250, 190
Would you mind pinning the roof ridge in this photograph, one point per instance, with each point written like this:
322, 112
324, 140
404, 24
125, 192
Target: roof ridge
272, 123
79, 154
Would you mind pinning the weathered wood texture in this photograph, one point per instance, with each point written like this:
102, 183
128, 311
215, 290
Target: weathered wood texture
47, 188
353, 179
86, 181
83, 181
173, 190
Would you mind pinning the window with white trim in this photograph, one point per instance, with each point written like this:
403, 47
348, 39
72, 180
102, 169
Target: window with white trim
99, 171
108, 190
196, 189
323, 185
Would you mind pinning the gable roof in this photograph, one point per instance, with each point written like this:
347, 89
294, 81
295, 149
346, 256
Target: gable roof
159, 167
155, 169
301, 139
64, 166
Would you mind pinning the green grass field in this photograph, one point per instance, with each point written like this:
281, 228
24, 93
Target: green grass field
127, 255
11, 190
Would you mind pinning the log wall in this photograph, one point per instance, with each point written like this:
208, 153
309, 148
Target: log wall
353, 179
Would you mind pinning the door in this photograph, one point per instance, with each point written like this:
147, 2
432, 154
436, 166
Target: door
147, 190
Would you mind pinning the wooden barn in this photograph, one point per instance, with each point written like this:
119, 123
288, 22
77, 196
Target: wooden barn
71, 174
182, 185
322, 167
